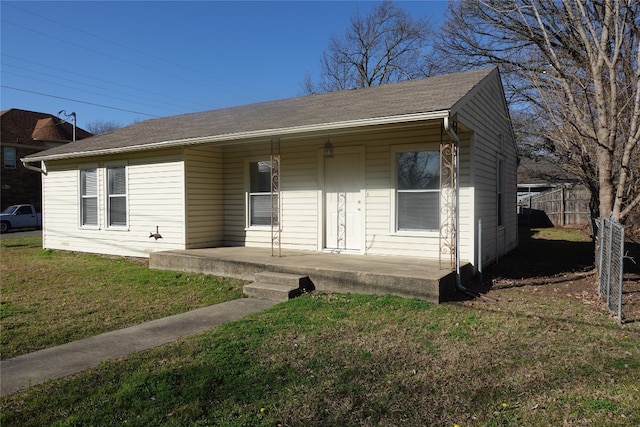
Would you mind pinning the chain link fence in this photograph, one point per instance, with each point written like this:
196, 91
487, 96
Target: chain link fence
610, 265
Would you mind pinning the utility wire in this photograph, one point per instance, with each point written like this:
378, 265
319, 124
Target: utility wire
138, 51
4, 71
145, 67
79, 101
108, 55
126, 61
39, 64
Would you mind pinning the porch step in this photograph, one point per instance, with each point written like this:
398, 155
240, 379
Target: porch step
403, 276
278, 287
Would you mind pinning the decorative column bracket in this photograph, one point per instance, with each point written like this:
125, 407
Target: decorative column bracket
342, 221
447, 200
276, 229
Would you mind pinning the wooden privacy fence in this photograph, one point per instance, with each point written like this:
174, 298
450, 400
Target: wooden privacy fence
561, 207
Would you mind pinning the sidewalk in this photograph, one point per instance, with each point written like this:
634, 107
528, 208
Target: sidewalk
35, 368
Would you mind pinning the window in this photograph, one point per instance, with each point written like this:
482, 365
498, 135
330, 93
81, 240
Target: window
500, 191
89, 197
116, 196
24, 210
260, 193
418, 190
9, 157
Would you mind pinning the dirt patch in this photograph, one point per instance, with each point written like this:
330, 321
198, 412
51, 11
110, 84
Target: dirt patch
557, 268
581, 286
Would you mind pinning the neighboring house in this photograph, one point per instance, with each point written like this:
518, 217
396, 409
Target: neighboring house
364, 171
24, 133
550, 196
538, 176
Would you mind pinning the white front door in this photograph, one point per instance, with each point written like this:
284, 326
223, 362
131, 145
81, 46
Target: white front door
344, 208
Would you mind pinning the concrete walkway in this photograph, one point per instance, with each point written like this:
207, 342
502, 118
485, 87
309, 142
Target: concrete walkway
34, 368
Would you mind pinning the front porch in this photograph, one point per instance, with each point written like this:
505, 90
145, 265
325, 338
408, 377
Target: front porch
402, 276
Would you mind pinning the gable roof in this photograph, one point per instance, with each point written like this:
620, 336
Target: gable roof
33, 128
48, 130
429, 98
543, 172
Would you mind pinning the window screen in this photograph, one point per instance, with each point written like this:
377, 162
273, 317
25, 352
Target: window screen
117, 196
89, 196
260, 193
418, 190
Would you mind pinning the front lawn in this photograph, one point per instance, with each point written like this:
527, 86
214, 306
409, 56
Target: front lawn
531, 353
329, 359
49, 297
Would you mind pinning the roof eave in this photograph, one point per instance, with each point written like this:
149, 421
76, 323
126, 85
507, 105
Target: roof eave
250, 135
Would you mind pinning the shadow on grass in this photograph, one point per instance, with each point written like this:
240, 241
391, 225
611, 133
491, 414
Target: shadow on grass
539, 257
539, 261
535, 260
632, 257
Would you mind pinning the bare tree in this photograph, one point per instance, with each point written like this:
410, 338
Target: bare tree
572, 66
98, 126
386, 46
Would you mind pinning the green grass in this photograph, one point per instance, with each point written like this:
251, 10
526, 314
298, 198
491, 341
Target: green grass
330, 359
528, 359
53, 297
556, 233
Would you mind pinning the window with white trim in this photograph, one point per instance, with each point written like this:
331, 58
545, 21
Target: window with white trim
116, 196
418, 190
259, 194
89, 197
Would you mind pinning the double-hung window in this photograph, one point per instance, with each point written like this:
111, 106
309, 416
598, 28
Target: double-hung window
260, 193
89, 197
117, 196
417, 190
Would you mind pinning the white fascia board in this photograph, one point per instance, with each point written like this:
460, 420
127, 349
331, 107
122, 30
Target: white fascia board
253, 135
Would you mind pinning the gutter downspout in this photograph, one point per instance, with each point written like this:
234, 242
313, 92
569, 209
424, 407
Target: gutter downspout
456, 140
26, 165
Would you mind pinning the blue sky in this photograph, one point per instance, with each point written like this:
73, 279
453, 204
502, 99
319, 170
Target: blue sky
127, 61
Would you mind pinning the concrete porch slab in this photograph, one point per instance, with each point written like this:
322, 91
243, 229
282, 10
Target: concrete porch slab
406, 277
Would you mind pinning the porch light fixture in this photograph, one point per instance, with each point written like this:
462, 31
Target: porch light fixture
328, 148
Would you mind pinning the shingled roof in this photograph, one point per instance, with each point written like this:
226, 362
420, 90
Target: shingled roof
543, 172
393, 103
33, 128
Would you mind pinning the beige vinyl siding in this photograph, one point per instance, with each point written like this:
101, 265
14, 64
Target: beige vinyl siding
204, 197
298, 188
301, 186
467, 201
60, 205
234, 199
156, 188
487, 115
154, 198
197, 195
381, 236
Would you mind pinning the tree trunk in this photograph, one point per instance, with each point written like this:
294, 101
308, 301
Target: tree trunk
607, 190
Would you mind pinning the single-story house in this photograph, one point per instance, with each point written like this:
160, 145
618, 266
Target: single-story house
407, 170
